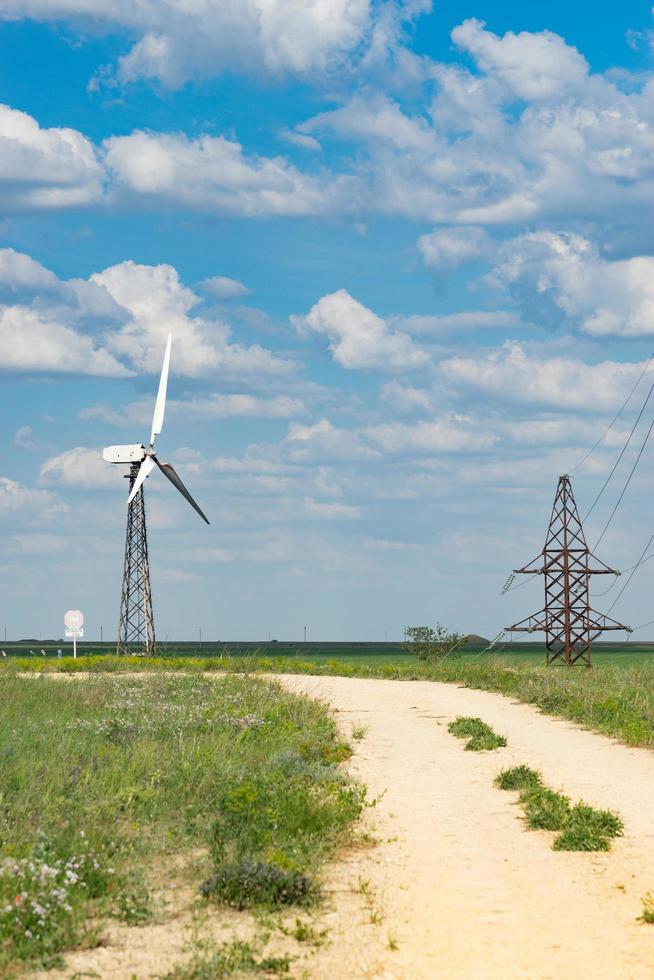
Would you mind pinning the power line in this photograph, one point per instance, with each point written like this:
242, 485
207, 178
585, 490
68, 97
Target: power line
633, 570
622, 452
615, 418
615, 581
624, 489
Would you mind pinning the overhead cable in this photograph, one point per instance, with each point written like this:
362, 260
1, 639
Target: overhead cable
640, 562
624, 489
622, 452
615, 417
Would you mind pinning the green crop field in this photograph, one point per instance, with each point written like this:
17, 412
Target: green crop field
373, 654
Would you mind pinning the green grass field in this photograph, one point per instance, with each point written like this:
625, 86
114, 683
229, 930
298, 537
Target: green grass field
105, 780
373, 654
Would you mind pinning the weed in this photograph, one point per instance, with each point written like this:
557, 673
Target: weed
392, 942
519, 777
647, 914
304, 932
359, 732
481, 737
588, 829
545, 809
236, 957
133, 903
580, 827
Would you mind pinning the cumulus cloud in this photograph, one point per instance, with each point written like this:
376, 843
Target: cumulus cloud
82, 466
557, 276
30, 341
160, 304
512, 374
359, 339
531, 66
45, 169
16, 498
182, 39
448, 248
222, 287
212, 406
213, 172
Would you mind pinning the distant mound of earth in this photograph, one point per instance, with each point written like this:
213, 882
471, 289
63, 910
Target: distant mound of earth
475, 642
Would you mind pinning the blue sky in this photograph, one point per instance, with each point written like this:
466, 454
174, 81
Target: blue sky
406, 257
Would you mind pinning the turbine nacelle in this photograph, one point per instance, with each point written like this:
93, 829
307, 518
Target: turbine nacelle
124, 454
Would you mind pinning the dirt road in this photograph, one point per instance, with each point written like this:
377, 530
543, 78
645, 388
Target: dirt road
458, 883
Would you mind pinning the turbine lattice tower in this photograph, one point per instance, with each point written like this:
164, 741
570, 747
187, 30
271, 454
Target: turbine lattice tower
569, 623
136, 627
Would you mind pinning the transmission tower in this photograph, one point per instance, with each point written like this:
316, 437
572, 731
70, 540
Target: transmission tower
136, 627
569, 623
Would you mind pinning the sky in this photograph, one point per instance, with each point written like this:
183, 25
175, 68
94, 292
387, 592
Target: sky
406, 254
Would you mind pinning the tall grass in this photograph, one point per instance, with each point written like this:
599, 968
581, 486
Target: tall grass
617, 701
100, 778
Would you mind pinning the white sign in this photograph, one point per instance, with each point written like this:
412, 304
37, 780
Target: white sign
74, 619
74, 623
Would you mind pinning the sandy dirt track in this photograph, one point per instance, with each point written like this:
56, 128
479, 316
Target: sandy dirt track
464, 888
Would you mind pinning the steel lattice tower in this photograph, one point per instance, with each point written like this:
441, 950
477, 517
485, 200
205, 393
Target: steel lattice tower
136, 627
569, 623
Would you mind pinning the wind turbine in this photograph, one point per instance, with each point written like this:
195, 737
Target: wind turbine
136, 625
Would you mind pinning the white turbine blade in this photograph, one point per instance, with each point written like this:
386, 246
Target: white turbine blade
145, 469
160, 404
170, 472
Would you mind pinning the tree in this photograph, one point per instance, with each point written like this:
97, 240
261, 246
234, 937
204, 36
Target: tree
433, 643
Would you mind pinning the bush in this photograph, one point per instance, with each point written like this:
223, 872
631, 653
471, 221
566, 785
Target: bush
588, 829
545, 809
246, 883
433, 643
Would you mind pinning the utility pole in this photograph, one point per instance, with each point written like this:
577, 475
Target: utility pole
200, 631
569, 623
305, 634
101, 638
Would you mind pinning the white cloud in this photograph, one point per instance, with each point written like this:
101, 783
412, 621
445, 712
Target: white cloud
82, 466
16, 498
30, 341
45, 169
160, 304
23, 438
359, 339
512, 374
532, 66
331, 511
457, 323
222, 287
183, 39
213, 172
448, 248
561, 275
212, 406
300, 139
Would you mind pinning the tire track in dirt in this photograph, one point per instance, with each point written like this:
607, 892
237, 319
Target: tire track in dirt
463, 887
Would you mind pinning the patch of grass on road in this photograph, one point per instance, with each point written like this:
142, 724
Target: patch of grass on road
481, 737
580, 827
101, 777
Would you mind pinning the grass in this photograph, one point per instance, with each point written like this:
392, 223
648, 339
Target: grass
647, 915
481, 737
580, 827
101, 779
227, 960
615, 700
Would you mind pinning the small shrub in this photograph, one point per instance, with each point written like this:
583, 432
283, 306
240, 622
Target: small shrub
647, 914
245, 883
519, 777
545, 809
481, 737
133, 903
588, 829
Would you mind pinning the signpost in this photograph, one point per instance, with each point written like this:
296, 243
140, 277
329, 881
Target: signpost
74, 623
